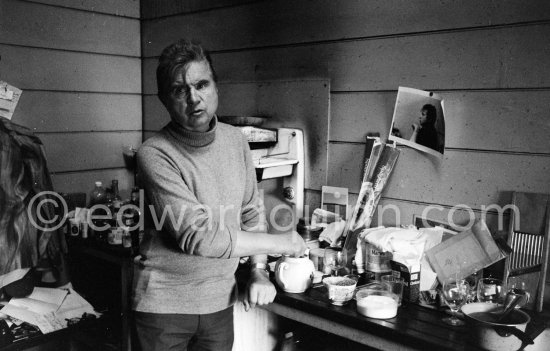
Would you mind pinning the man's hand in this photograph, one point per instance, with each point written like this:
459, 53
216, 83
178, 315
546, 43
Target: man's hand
259, 290
295, 245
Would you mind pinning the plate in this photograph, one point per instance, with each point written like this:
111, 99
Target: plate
242, 120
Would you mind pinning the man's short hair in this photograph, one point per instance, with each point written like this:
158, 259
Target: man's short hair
174, 58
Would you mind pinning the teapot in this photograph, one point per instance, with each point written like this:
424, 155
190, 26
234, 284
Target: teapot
294, 274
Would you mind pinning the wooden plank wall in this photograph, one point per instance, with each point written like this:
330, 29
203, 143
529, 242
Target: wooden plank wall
79, 66
490, 61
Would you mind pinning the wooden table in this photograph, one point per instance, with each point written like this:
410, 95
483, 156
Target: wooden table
414, 328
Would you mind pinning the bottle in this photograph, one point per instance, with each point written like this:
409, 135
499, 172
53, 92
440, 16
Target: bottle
134, 196
115, 233
98, 194
109, 200
117, 200
128, 221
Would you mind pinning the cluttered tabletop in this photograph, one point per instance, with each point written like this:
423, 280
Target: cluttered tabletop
415, 326
385, 301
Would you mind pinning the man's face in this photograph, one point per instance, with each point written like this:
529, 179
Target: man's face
193, 98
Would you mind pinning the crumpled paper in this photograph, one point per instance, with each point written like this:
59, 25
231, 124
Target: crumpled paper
332, 232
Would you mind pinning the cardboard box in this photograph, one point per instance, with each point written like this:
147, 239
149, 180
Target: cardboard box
411, 278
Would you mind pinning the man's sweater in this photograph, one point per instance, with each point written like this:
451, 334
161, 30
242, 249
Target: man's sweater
205, 184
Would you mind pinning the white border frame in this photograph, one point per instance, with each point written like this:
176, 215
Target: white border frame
406, 99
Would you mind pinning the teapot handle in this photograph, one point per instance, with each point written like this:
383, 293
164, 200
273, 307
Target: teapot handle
282, 267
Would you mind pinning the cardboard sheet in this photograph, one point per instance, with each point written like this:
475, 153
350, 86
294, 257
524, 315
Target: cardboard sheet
464, 253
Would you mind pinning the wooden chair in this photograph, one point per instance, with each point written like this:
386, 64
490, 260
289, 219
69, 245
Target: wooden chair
529, 238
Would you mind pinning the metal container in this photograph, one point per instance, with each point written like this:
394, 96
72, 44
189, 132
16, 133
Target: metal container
496, 336
308, 232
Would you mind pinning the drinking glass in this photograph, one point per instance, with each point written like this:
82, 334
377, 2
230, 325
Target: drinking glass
395, 285
489, 290
517, 287
472, 280
455, 293
335, 261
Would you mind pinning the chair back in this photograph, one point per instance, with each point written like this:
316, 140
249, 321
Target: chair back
529, 238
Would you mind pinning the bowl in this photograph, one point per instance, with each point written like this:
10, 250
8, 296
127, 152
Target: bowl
506, 336
340, 289
376, 301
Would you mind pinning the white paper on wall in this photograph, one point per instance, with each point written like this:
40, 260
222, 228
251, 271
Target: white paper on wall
9, 97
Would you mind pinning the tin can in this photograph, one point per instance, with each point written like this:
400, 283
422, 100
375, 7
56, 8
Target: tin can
377, 261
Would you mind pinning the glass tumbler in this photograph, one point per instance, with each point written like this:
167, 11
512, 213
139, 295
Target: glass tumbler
334, 261
490, 290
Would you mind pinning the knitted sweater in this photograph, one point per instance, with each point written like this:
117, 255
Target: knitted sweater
200, 188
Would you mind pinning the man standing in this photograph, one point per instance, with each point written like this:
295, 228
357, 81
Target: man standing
200, 182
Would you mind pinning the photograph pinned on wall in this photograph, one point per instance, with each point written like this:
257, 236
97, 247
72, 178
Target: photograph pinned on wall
419, 121
9, 97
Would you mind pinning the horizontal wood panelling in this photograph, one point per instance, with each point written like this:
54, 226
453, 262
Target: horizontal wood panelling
353, 115
129, 8
159, 8
470, 178
395, 212
84, 181
78, 64
489, 61
46, 111
43, 69
155, 115
87, 151
67, 29
302, 104
514, 121
462, 60
272, 23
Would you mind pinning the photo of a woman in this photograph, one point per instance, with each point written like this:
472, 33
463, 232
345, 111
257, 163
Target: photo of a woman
418, 121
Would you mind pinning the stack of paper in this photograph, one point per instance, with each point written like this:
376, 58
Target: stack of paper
49, 309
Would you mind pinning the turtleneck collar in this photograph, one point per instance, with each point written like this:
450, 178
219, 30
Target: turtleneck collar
191, 138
